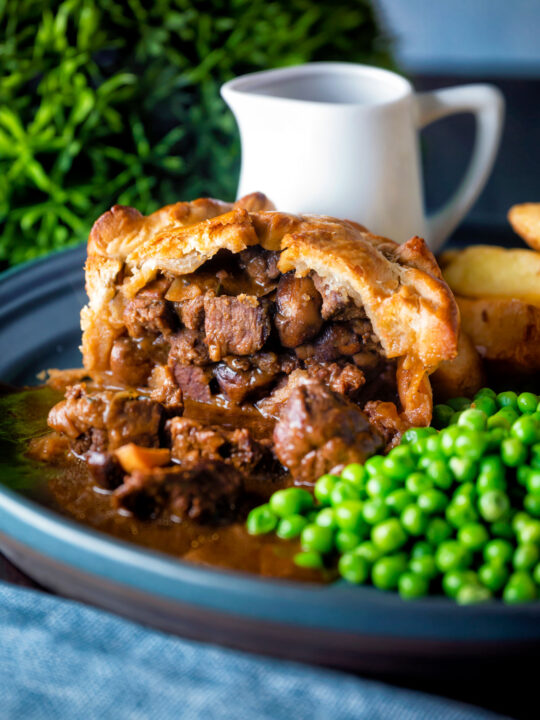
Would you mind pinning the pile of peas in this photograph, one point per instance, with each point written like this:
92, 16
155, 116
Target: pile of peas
453, 508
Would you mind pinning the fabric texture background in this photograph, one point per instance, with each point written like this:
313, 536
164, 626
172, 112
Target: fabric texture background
60, 659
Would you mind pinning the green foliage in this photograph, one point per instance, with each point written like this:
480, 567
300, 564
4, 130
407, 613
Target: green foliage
105, 101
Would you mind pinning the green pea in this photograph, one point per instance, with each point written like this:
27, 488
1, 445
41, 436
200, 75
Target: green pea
411, 585
495, 438
498, 551
526, 556
261, 520
486, 392
412, 435
418, 482
461, 511
487, 482
424, 461
451, 555
493, 505
473, 593
353, 568
498, 421
380, 486
433, 445
386, 572
324, 486
375, 511
399, 499
486, 404
326, 518
533, 481
373, 465
432, 501
473, 536
317, 538
414, 520
454, 580
509, 413
424, 566
355, 474
522, 474
519, 520
388, 535
343, 491
368, 551
421, 548
493, 576
291, 501
459, 403
492, 467
398, 463
291, 527
526, 429
529, 532
520, 588
438, 530
472, 419
507, 399
531, 503
441, 416
349, 515
527, 402
471, 444
438, 472
463, 468
467, 490
347, 540
309, 559
447, 439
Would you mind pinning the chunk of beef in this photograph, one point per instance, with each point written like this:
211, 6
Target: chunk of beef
165, 390
298, 318
320, 431
200, 491
336, 304
194, 382
336, 340
187, 347
343, 378
385, 417
149, 312
260, 265
191, 312
105, 469
334, 299
106, 419
129, 363
234, 325
192, 442
246, 378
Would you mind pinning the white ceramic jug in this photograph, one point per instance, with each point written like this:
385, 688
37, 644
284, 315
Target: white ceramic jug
342, 139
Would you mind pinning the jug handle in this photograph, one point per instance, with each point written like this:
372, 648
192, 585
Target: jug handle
486, 103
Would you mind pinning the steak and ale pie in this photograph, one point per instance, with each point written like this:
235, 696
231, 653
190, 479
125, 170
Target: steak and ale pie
227, 343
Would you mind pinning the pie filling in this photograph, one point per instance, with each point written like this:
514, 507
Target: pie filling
244, 341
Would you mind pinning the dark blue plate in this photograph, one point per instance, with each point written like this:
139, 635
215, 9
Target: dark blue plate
351, 627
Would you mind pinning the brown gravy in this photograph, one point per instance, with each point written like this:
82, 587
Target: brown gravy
66, 487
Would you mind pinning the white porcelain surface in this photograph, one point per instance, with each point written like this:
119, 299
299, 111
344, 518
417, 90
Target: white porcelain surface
342, 139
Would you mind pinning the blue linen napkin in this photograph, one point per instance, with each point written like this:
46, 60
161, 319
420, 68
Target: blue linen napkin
62, 660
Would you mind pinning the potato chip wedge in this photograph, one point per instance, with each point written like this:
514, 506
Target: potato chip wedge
525, 219
486, 271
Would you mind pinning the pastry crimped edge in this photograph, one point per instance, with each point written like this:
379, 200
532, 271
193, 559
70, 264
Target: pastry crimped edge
412, 310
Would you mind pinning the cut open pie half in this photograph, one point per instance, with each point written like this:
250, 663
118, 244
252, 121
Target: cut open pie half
326, 330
